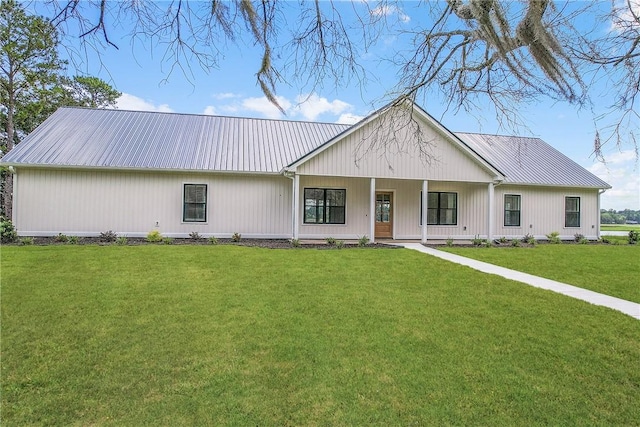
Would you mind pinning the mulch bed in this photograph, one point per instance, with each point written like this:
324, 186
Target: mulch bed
261, 243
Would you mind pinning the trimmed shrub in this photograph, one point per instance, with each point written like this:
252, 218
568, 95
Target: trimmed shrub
154, 236
108, 236
8, 233
554, 237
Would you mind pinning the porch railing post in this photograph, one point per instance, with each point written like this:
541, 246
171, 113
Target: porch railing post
490, 216
372, 211
296, 206
425, 198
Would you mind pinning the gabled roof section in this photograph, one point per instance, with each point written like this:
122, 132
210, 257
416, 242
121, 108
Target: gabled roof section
92, 138
419, 112
530, 161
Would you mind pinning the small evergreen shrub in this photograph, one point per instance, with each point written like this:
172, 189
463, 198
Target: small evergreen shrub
634, 237
529, 239
73, 240
583, 241
26, 241
167, 240
502, 240
339, 244
295, 243
236, 237
578, 237
554, 237
194, 235
477, 241
213, 240
8, 232
515, 243
449, 242
108, 236
330, 241
154, 236
488, 244
363, 241
122, 241
62, 238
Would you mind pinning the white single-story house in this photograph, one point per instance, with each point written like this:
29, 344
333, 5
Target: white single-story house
86, 171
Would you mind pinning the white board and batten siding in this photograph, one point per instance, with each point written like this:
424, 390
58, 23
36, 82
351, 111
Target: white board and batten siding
472, 208
360, 154
543, 212
87, 202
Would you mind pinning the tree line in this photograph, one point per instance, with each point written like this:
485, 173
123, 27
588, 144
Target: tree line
34, 82
618, 217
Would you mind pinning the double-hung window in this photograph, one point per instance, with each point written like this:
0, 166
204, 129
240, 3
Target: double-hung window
442, 208
572, 211
511, 210
324, 206
194, 203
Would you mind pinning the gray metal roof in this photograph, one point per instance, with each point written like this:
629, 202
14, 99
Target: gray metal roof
90, 138
530, 161
81, 137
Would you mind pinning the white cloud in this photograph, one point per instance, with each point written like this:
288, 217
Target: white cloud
625, 14
349, 119
388, 10
225, 95
210, 110
263, 106
621, 172
312, 106
127, 101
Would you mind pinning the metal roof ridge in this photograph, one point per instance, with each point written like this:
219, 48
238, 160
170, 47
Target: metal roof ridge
175, 113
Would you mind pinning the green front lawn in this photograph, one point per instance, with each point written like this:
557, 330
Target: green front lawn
223, 335
620, 227
609, 269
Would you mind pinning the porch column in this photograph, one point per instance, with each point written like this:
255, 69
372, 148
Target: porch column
372, 211
490, 216
425, 198
296, 206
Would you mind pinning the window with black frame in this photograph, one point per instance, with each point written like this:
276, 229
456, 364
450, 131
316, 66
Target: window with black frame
442, 208
194, 203
572, 211
511, 210
324, 205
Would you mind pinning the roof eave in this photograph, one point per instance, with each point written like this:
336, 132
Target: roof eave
132, 169
556, 185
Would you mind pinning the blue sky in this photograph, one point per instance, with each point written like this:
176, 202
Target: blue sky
139, 72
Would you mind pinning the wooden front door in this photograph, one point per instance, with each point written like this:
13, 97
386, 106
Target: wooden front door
384, 215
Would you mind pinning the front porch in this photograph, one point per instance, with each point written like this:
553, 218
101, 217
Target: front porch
348, 208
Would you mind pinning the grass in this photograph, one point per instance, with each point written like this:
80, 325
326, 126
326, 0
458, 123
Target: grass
220, 335
619, 227
609, 269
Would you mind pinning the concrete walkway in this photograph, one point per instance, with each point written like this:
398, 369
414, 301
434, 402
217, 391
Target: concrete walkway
627, 307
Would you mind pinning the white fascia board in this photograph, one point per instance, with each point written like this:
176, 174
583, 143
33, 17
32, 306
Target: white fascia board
19, 166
